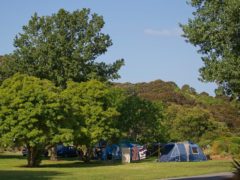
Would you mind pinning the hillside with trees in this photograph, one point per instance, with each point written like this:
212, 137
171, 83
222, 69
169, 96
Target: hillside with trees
187, 115
221, 108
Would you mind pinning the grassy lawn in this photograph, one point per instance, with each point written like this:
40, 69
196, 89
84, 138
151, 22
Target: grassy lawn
12, 167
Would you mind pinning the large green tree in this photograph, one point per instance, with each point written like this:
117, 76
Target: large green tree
63, 46
32, 115
94, 112
215, 30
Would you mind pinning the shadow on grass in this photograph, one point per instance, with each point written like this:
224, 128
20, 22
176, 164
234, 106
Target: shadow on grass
81, 164
31, 175
91, 164
3, 156
71, 162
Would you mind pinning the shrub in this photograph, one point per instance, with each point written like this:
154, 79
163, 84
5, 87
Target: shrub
226, 146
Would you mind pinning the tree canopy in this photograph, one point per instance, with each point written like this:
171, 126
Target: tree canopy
140, 120
64, 46
214, 29
220, 107
31, 115
184, 123
37, 114
93, 111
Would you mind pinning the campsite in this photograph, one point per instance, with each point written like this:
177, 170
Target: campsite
12, 165
120, 89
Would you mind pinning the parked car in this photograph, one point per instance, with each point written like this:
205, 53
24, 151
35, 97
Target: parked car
66, 151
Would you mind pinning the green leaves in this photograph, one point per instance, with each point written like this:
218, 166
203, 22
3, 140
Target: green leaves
62, 47
140, 120
30, 111
215, 29
192, 123
92, 110
37, 114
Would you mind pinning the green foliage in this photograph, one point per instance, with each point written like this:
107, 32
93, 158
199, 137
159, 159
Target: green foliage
214, 29
189, 115
167, 92
219, 108
63, 46
36, 114
140, 120
186, 123
93, 111
189, 90
226, 146
7, 67
31, 114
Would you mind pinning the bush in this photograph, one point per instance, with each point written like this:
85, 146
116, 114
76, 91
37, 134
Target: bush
226, 146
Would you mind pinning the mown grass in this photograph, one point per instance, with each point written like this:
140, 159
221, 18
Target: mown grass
13, 167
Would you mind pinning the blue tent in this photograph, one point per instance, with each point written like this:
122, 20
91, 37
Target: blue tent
107, 152
113, 152
184, 151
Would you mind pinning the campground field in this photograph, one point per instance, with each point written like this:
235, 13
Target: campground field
12, 166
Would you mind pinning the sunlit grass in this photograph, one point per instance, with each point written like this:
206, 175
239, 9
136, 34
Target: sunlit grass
13, 167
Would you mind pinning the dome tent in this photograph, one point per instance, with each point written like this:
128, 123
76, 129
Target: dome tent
182, 151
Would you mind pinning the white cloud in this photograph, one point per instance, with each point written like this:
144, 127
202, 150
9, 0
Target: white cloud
163, 32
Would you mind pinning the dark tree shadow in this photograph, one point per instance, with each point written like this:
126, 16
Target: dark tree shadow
81, 164
3, 156
71, 162
25, 175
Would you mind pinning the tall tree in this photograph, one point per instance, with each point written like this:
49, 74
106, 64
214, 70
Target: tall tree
32, 115
64, 46
214, 29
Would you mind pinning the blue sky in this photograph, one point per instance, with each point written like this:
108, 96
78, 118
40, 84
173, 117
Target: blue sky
145, 33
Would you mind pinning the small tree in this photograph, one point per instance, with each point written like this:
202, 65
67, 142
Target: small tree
31, 115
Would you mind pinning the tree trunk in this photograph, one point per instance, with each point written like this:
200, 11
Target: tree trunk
53, 156
34, 157
80, 154
87, 155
